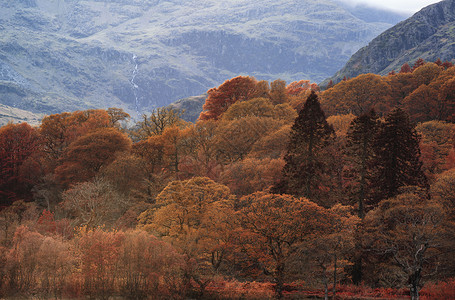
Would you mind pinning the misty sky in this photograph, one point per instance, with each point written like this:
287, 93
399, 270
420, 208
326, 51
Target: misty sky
408, 6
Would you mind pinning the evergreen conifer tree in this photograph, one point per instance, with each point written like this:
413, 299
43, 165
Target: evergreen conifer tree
360, 153
397, 157
359, 157
307, 162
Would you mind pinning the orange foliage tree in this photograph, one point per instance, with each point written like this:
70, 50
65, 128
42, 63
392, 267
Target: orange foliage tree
436, 144
251, 175
195, 216
272, 145
278, 92
202, 156
236, 138
426, 73
422, 104
358, 96
446, 103
272, 228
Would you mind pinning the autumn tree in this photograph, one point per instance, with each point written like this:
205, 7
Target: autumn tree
202, 155
99, 251
358, 96
251, 175
418, 63
446, 103
153, 154
272, 145
257, 107
148, 267
236, 138
306, 162
117, 115
299, 87
273, 228
341, 124
436, 144
405, 68
94, 203
329, 252
409, 232
401, 85
18, 142
56, 263
194, 216
422, 104
23, 260
60, 130
278, 93
84, 158
155, 124
447, 64
397, 157
426, 73
443, 190
127, 174
219, 99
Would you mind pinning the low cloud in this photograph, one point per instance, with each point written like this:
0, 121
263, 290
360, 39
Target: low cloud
407, 6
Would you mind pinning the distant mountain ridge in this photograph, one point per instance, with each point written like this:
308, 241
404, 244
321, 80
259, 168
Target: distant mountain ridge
428, 34
139, 54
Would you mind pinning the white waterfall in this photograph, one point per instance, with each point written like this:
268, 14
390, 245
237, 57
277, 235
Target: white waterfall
134, 85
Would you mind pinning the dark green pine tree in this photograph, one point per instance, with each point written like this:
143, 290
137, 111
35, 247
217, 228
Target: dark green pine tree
307, 161
359, 157
397, 157
359, 162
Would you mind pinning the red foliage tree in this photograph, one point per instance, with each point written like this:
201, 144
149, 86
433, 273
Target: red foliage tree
405, 68
17, 143
85, 157
447, 64
420, 62
46, 222
240, 88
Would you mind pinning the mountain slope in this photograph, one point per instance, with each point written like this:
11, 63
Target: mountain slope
429, 34
138, 54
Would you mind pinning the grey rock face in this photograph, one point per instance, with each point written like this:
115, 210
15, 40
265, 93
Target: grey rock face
429, 34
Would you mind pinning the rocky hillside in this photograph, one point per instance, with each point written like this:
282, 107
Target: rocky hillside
191, 107
429, 34
138, 54
16, 115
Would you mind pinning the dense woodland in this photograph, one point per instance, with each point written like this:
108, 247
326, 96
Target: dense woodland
278, 190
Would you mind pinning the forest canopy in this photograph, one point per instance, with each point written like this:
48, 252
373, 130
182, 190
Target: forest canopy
277, 190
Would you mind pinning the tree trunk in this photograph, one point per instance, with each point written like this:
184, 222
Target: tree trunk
334, 289
357, 268
414, 291
414, 284
279, 279
326, 287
